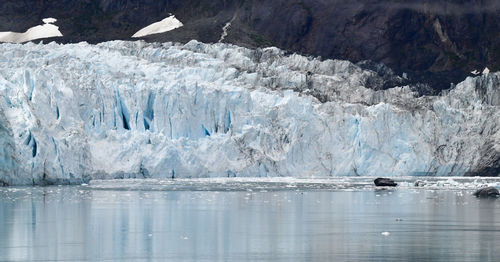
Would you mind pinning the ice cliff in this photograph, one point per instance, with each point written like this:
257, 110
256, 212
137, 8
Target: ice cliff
70, 113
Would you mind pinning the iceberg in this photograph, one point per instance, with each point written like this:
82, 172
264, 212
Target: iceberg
77, 112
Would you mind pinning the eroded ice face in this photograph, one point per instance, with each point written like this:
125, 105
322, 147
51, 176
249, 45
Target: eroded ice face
70, 113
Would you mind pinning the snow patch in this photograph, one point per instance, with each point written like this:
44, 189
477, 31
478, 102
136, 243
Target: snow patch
49, 20
46, 30
224, 32
225, 29
168, 24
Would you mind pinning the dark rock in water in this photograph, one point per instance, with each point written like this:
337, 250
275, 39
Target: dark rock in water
384, 182
487, 192
419, 183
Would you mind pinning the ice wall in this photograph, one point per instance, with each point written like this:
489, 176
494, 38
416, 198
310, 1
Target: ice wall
70, 113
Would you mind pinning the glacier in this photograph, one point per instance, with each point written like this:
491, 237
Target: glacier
77, 112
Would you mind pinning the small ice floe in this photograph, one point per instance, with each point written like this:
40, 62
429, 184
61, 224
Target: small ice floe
168, 24
486, 71
475, 72
385, 234
46, 30
449, 183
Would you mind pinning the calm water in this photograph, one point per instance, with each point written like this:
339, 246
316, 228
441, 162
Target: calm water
82, 223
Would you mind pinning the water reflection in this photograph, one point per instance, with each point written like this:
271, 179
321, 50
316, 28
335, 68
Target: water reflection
74, 223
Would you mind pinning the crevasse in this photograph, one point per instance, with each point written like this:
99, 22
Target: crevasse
70, 113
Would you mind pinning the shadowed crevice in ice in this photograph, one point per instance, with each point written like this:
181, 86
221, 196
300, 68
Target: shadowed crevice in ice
149, 112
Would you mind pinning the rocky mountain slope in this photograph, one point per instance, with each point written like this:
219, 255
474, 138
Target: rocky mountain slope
436, 42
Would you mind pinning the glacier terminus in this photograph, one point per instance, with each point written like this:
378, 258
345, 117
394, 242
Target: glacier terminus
70, 113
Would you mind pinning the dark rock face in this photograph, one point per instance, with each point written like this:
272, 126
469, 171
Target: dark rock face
384, 182
487, 192
419, 183
436, 42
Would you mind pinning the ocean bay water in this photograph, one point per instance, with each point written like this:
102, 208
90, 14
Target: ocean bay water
246, 220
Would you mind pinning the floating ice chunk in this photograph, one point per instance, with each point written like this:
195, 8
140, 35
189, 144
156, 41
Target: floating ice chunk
385, 234
475, 72
168, 24
46, 30
450, 182
486, 71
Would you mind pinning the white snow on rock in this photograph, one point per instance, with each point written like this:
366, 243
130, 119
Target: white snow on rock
70, 113
46, 30
168, 24
224, 32
49, 20
225, 29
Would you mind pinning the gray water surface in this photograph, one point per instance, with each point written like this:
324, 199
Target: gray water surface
79, 223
